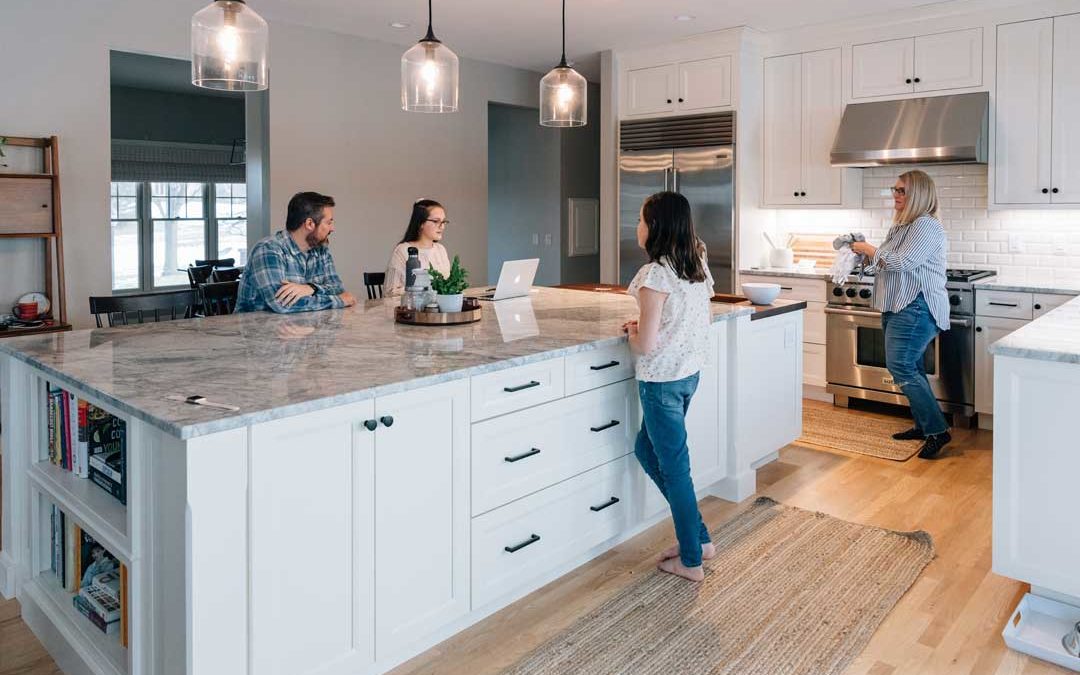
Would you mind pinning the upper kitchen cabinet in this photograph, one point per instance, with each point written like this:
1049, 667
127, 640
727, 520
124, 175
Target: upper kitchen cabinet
803, 107
650, 90
688, 86
704, 84
951, 60
1037, 140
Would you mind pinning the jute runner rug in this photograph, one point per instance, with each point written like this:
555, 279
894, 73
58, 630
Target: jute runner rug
789, 592
837, 429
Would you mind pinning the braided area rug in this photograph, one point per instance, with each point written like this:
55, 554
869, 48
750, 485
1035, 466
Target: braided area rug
838, 429
789, 592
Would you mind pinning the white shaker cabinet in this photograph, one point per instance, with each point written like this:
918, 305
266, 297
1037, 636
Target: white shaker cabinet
925, 63
882, 68
650, 90
988, 330
704, 84
683, 87
1065, 159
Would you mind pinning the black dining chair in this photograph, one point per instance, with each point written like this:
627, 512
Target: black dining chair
373, 282
219, 298
139, 308
199, 274
217, 262
220, 274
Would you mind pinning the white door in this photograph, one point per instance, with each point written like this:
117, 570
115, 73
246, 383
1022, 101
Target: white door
882, 68
1024, 103
421, 513
948, 60
650, 90
704, 84
310, 541
1065, 183
822, 107
783, 130
989, 330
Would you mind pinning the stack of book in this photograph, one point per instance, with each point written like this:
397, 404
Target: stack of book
87, 441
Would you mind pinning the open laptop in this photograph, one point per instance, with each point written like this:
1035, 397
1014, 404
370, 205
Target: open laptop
515, 280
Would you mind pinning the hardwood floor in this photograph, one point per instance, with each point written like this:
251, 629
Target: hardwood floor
949, 621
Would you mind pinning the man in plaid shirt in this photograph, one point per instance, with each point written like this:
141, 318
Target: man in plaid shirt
293, 271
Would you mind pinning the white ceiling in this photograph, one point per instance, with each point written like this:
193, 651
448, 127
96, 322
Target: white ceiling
525, 33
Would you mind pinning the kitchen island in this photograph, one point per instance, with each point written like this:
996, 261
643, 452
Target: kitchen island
380, 486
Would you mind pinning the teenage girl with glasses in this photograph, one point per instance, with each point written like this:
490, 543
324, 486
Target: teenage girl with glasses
425, 231
670, 340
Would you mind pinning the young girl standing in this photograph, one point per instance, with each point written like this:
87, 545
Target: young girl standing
670, 339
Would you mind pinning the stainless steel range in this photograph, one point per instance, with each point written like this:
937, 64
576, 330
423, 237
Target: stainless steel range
855, 346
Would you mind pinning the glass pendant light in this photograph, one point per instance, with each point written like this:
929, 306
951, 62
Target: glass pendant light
563, 92
229, 47
429, 76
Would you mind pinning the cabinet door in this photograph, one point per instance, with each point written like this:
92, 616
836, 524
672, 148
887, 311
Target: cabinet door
989, 330
882, 68
1024, 93
703, 416
822, 107
948, 60
783, 130
1044, 302
1065, 172
705, 84
421, 513
651, 90
310, 541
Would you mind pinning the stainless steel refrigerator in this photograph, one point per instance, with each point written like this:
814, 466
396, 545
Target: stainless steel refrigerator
694, 156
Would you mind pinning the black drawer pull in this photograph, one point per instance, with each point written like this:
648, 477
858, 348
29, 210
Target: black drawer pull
611, 502
786, 288
1003, 304
520, 387
514, 549
517, 458
609, 364
612, 423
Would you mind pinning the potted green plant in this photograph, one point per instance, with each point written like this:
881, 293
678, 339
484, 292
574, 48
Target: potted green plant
448, 289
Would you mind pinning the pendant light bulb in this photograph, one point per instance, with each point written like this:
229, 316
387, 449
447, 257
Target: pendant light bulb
563, 92
229, 47
429, 75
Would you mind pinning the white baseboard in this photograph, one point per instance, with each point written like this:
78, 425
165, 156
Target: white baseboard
816, 393
986, 421
7, 576
736, 488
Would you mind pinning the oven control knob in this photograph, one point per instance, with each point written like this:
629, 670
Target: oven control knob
864, 293
837, 291
954, 300
851, 292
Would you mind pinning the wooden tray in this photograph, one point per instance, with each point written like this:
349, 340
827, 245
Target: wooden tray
470, 313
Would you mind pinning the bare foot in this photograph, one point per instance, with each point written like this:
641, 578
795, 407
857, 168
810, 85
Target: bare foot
708, 552
675, 566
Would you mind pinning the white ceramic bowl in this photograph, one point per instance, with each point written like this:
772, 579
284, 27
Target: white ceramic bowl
761, 294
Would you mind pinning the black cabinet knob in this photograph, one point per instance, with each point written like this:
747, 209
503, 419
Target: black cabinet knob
907, 81
1038, 306
370, 425
978, 329
387, 420
669, 100
1044, 191
802, 194
1055, 191
795, 194
680, 100
917, 80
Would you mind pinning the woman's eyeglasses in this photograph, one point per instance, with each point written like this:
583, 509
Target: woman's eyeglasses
436, 221
898, 191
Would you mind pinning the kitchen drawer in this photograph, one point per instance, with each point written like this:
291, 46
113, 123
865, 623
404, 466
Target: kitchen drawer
792, 288
1041, 303
814, 364
515, 388
1004, 304
526, 451
516, 546
598, 367
814, 323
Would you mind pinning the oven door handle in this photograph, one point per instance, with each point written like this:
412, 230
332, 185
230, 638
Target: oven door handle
853, 312
963, 323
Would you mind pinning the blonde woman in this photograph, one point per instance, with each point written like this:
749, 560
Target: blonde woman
909, 290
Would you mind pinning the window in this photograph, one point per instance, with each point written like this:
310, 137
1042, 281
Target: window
159, 228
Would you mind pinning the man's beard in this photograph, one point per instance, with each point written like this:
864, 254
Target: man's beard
312, 240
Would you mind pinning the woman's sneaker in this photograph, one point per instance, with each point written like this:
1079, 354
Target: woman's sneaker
911, 434
933, 445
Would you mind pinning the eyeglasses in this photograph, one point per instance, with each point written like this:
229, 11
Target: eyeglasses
898, 191
436, 221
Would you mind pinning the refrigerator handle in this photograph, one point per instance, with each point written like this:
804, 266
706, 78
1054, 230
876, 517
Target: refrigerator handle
667, 178
674, 180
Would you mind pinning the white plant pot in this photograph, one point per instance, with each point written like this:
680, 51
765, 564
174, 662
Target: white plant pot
450, 303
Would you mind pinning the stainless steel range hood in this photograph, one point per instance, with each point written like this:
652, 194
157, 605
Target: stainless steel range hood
941, 130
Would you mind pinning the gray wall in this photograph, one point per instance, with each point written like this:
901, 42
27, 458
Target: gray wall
580, 162
141, 114
523, 192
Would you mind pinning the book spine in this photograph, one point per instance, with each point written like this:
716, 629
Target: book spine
73, 431
84, 443
84, 607
107, 615
62, 429
51, 413
123, 606
75, 565
107, 483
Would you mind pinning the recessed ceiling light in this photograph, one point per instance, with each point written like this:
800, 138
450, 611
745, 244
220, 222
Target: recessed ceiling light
685, 17
398, 24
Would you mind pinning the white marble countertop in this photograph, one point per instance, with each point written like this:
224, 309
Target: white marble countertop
1022, 286
1055, 336
815, 273
277, 365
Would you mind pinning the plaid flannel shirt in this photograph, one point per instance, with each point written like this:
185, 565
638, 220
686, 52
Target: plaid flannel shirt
277, 259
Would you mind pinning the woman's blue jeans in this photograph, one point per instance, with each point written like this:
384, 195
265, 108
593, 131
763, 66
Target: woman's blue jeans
661, 449
907, 335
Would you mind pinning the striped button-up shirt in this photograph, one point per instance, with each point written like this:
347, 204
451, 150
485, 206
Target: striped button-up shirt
277, 259
910, 261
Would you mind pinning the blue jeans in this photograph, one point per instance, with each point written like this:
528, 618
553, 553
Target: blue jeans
661, 449
907, 335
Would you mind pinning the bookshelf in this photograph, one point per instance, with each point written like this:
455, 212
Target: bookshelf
30, 209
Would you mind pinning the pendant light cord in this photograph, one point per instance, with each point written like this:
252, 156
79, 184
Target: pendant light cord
562, 62
430, 37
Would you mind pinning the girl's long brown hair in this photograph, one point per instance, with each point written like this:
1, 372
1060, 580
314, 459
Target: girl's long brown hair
671, 235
